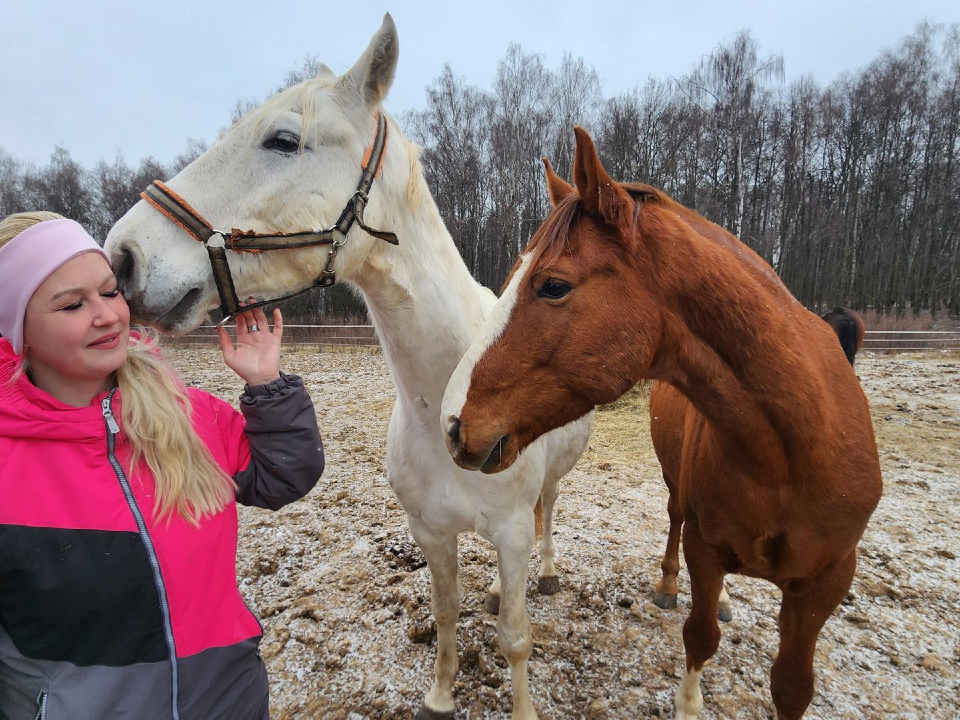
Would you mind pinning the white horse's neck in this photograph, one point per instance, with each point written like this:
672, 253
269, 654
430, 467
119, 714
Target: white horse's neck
424, 303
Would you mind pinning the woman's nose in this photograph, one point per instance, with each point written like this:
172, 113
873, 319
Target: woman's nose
105, 314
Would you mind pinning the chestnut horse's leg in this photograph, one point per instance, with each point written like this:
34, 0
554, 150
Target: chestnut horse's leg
665, 595
701, 634
548, 583
803, 612
440, 551
724, 614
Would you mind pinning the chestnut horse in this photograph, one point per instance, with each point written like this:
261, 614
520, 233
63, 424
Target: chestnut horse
666, 427
760, 421
849, 328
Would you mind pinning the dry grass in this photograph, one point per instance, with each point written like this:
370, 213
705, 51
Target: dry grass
621, 432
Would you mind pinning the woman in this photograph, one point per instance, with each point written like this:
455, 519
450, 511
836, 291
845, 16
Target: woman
118, 491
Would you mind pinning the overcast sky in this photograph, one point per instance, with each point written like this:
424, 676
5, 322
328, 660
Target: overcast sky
137, 78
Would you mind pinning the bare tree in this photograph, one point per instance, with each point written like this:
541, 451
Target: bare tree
730, 76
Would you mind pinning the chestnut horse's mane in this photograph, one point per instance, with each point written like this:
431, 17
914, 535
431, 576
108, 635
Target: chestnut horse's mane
549, 242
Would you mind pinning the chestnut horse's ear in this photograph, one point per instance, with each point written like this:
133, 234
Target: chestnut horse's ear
599, 194
557, 187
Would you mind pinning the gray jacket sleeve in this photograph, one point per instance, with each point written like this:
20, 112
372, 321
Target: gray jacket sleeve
285, 446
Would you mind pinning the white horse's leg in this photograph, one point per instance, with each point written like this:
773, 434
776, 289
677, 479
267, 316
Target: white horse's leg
514, 545
440, 551
492, 601
547, 581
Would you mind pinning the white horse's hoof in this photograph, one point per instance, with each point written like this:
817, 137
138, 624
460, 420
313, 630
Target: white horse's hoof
426, 713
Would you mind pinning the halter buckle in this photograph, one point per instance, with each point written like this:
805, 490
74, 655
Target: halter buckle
328, 277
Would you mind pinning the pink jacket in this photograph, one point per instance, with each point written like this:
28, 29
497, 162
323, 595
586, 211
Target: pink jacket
106, 612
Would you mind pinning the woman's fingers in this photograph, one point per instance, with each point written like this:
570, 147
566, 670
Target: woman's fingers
260, 318
277, 323
241, 320
226, 344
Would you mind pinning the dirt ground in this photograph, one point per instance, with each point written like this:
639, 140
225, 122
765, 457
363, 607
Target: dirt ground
343, 592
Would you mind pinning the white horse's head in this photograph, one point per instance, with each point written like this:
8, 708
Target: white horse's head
290, 165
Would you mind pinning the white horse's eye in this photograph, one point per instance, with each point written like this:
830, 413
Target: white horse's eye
283, 141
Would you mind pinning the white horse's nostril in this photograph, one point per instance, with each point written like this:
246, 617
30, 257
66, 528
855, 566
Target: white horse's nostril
124, 267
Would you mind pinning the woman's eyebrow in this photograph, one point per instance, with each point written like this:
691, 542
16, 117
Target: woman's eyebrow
79, 290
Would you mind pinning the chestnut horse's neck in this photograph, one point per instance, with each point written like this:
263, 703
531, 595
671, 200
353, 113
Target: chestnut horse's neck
748, 356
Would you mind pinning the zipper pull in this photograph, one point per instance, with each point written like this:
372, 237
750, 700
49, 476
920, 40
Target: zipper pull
108, 415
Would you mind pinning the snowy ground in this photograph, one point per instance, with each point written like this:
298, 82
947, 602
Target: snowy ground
343, 592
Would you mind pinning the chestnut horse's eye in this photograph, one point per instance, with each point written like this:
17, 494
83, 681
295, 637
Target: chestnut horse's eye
554, 289
283, 141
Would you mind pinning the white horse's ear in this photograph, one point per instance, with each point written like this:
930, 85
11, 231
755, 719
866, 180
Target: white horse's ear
372, 75
324, 73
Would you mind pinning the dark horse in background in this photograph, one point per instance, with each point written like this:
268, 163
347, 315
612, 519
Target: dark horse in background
849, 328
758, 419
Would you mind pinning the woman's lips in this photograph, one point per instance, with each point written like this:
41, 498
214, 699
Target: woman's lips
106, 343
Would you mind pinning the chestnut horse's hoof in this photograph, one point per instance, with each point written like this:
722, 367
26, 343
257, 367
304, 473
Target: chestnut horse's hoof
492, 604
664, 601
548, 585
426, 713
724, 613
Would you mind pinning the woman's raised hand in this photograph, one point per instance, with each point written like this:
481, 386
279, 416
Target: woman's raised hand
256, 356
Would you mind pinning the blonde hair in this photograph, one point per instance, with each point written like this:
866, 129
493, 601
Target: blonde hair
155, 417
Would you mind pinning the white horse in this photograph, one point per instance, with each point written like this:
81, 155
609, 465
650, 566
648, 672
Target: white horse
290, 165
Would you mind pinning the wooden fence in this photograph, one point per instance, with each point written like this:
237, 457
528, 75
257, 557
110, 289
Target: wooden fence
911, 341
887, 341
345, 335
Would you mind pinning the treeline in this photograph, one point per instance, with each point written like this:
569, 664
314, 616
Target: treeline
850, 191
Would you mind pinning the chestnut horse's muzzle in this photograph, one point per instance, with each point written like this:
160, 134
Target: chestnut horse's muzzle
489, 458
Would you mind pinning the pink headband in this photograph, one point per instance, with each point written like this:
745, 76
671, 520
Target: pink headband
29, 259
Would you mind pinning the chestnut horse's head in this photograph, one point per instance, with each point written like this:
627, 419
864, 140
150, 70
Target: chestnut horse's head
568, 332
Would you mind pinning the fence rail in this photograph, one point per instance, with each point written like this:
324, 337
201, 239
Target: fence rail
297, 335
911, 341
875, 341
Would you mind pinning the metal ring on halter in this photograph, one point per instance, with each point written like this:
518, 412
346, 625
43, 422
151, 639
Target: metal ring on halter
339, 242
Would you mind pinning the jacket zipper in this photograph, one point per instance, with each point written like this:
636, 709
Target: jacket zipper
41, 706
112, 429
